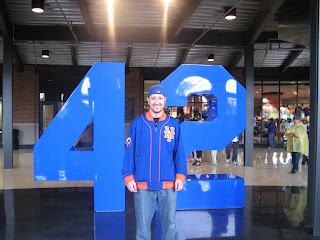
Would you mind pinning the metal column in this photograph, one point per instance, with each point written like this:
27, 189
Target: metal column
7, 104
313, 206
249, 75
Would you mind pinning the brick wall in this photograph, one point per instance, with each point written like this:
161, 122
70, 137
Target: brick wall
134, 89
25, 95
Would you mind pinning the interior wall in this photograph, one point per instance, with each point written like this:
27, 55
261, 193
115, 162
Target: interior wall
25, 104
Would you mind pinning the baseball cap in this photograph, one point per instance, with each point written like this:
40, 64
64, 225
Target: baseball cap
157, 89
296, 117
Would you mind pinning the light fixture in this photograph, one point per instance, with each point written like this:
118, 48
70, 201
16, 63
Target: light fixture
38, 6
45, 53
231, 14
211, 58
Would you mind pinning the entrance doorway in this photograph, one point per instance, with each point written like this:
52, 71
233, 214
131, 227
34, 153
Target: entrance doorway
48, 110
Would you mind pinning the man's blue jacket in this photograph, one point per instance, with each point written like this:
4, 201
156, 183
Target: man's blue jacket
154, 155
272, 127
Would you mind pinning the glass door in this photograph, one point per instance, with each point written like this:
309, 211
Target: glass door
48, 111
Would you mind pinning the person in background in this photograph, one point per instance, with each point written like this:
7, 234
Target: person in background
297, 143
198, 158
305, 159
271, 131
234, 146
214, 156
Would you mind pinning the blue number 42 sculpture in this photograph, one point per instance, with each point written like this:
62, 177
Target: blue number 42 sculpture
100, 97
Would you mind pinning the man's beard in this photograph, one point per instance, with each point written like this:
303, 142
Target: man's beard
156, 111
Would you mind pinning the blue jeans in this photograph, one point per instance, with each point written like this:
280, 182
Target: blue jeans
271, 140
295, 160
145, 206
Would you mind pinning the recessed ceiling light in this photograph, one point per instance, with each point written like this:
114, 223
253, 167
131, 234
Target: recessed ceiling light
211, 58
230, 15
45, 53
37, 6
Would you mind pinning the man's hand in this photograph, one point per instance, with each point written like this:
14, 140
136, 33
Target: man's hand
132, 186
178, 185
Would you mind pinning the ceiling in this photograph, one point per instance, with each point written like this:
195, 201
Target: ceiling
80, 33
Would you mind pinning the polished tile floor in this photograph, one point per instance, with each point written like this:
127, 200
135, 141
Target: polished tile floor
275, 201
67, 213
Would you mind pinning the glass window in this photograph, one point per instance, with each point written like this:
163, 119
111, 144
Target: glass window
270, 110
197, 109
195, 106
271, 93
304, 93
257, 126
287, 111
293, 98
289, 93
257, 94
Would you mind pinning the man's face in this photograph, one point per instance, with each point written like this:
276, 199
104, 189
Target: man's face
156, 102
296, 121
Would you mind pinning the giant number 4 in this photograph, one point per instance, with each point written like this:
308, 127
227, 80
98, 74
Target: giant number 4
100, 97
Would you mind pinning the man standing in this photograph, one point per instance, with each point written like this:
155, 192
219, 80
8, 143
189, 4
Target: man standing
154, 166
271, 132
298, 142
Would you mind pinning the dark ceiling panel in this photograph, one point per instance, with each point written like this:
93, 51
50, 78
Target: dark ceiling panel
126, 35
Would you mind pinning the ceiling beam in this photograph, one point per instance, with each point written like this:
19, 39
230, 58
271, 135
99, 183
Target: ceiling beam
265, 74
6, 32
185, 14
262, 19
183, 56
255, 33
273, 74
73, 57
86, 16
235, 60
132, 35
291, 58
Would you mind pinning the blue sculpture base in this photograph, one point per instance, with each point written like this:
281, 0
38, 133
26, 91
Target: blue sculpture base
211, 191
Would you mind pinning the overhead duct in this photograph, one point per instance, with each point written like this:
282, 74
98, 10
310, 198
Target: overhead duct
294, 22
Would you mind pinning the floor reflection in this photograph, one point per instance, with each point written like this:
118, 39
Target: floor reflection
67, 213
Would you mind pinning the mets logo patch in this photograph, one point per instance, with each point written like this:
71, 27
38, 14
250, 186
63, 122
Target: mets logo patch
128, 142
169, 135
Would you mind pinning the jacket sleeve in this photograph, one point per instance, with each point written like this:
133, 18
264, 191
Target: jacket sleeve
128, 166
180, 156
